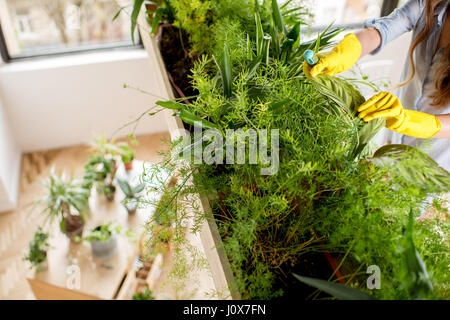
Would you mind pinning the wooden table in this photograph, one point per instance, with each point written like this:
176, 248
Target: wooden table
73, 272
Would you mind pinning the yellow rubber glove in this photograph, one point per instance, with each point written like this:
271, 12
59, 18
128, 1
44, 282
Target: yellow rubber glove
341, 58
409, 122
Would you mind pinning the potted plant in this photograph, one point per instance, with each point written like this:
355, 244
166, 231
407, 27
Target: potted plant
185, 30
66, 201
37, 253
127, 156
144, 294
103, 240
162, 236
330, 194
132, 195
101, 168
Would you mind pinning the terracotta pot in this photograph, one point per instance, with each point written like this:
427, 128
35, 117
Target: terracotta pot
129, 165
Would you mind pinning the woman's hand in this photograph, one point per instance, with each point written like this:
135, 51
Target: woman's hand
341, 58
409, 122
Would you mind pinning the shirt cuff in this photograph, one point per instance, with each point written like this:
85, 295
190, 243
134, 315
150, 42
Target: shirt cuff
378, 25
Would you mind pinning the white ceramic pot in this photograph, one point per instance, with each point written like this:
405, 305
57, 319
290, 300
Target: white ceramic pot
104, 250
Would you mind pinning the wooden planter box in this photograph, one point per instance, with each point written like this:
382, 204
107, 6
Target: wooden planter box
211, 241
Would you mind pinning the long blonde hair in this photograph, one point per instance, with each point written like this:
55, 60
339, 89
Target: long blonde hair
441, 96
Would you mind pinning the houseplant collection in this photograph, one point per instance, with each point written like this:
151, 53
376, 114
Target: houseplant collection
66, 199
334, 206
37, 253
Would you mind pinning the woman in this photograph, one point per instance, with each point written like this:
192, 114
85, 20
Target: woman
426, 91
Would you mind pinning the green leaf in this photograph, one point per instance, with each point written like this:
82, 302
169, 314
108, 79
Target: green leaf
337, 290
428, 176
139, 188
341, 92
156, 19
171, 105
265, 49
276, 41
194, 120
124, 185
253, 67
259, 34
286, 50
118, 14
419, 280
278, 18
224, 65
294, 34
134, 16
276, 106
367, 133
250, 53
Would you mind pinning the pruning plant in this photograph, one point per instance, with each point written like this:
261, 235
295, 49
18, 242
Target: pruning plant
38, 247
333, 207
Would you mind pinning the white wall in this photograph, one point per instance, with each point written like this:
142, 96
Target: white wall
9, 163
62, 101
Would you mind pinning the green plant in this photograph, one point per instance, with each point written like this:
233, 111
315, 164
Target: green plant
158, 11
144, 294
207, 21
164, 234
104, 232
64, 199
330, 194
131, 193
101, 145
415, 278
101, 170
38, 247
126, 153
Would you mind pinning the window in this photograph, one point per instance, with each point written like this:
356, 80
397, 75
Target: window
41, 27
347, 13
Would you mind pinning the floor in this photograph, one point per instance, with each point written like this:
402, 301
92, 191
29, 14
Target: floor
17, 227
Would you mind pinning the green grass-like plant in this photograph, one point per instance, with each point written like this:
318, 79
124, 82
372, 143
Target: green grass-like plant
38, 247
64, 197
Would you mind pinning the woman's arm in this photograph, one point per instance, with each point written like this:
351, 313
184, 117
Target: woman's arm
444, 119
370, 39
